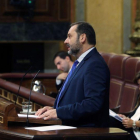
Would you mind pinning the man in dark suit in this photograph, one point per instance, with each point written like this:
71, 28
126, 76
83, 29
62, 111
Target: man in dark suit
83, 100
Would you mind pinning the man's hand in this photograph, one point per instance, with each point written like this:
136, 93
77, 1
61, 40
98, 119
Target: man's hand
127, 122
50, 114
62, 76
42, 110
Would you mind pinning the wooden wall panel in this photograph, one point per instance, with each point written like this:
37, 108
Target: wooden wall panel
63, 9
45, 11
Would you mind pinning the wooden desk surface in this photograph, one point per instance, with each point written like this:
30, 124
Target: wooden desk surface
19, 133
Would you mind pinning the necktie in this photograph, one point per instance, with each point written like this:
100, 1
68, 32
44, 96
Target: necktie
69, 75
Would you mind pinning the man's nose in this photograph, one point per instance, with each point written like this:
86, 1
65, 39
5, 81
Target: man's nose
58, 67
66, 41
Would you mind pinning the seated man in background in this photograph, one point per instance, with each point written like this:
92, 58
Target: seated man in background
63, 62
132, 122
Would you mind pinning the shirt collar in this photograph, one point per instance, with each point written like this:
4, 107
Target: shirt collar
84, 54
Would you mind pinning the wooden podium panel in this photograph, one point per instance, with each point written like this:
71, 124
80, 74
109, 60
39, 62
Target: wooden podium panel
34, 120
9, 113
16, 133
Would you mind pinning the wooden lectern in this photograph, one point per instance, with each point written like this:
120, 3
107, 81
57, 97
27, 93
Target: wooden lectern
9, 113
7, 109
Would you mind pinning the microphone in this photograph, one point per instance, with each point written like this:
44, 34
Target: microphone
27, 121
21, 83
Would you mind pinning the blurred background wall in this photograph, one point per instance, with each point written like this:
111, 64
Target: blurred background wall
31, 34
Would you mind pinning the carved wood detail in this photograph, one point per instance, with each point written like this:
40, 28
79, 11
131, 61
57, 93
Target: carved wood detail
44, 11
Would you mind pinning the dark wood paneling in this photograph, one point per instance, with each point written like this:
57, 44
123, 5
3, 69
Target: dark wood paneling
45, 11
16, 132
63, 9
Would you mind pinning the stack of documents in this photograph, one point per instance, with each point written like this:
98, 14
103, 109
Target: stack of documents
49, 128
25, 116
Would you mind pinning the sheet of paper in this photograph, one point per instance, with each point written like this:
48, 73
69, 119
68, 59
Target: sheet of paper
49, 128
25, 116
116, 116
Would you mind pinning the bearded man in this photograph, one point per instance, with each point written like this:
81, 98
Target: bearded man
83, 101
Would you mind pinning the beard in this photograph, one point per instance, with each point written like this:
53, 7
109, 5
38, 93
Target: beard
75, 48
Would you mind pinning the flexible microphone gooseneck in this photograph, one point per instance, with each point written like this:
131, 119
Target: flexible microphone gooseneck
27, 122
21, 83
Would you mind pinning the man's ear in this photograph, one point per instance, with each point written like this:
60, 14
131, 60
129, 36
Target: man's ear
67, 58
82, 38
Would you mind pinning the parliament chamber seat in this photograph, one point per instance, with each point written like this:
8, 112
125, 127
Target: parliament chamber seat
107, 56
123, 91
116, 66
130, 90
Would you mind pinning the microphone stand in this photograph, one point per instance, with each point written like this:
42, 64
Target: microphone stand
21, 83
27, 122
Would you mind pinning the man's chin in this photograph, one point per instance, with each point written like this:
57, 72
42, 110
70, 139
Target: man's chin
74, 53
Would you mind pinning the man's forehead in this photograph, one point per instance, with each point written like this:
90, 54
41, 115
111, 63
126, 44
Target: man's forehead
57, 58
72, 29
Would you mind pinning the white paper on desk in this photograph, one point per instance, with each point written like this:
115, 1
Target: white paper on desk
25, 116
49, 128
116, 116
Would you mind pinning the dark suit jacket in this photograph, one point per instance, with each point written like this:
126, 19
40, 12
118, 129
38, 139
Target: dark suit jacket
85, 99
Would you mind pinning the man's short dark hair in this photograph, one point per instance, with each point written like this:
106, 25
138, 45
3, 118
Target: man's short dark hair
62, 54
86, 28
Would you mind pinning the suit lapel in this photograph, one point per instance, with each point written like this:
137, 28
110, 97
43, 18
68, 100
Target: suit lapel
70, 79
75, 71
